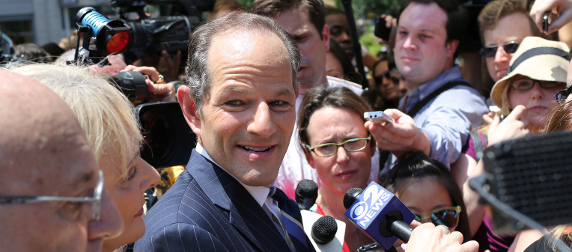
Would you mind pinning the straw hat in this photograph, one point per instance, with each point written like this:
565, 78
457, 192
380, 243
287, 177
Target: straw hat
536, 58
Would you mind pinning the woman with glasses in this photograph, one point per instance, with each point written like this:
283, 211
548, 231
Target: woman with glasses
107, 118
429, 190
337, 145
537, 71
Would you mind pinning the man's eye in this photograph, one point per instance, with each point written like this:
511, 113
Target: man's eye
279, 103
233, 103
74, 209
301, 38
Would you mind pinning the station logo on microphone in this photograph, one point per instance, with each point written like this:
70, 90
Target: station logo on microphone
369, 205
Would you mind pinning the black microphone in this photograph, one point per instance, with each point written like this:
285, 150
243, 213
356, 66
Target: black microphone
306, 194
382, 215
324, 229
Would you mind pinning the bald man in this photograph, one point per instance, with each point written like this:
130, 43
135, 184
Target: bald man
50, 187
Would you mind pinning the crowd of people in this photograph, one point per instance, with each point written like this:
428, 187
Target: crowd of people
274, 97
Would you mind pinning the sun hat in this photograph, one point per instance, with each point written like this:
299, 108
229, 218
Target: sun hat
535, 58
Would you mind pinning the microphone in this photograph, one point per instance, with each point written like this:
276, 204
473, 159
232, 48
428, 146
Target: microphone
306, 194
324, 229
382, 215
319, 227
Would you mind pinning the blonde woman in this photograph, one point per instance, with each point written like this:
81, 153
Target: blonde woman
109, 123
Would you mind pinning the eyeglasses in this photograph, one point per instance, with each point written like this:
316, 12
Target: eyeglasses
527, 84
379, 78
490, 51
96, 199
561, 95
445, 216
350, 145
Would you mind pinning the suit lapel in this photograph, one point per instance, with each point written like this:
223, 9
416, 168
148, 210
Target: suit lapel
245, 215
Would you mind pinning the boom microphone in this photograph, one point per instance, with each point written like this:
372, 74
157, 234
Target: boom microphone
306, 194
382, 215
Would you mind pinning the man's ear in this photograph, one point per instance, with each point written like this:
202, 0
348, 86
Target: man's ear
326, 37
451, 47
189, 109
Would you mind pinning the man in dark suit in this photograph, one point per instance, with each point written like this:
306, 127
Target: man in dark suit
240, 102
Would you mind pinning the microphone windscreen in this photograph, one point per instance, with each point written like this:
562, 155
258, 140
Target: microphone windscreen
531, 175
324, 229
306, 189
306, 194
351, 196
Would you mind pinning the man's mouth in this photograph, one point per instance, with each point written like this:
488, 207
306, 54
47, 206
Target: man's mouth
252, 149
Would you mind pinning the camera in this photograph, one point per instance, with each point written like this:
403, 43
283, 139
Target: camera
170, 33
132, 84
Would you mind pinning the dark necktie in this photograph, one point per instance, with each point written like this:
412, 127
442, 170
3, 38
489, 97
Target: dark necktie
292, 220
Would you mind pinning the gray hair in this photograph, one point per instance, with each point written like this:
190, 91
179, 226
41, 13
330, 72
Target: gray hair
198, 72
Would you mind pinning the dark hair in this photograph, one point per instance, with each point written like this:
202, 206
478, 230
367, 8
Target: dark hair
416, 165
373, 73
221, 5
349, 70
320, 97
332, 11
272, 8
28, 53
457, 21
198, 73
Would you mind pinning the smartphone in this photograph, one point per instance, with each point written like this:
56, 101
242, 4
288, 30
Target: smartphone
381, 31
546, 20
377, 117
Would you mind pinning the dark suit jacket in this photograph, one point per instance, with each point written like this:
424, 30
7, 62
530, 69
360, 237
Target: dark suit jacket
208, 210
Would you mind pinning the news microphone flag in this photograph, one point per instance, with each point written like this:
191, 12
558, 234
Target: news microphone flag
372, 209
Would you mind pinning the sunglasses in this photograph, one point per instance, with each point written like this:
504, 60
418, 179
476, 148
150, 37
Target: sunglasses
561, 95
379, 78
490, 51
448, 216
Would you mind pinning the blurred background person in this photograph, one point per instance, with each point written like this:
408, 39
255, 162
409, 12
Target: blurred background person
108, 120
223, 7
339, 148
339, 31
389, 83
503, 25
338, 64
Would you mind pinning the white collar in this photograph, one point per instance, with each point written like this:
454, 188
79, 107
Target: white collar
259, 193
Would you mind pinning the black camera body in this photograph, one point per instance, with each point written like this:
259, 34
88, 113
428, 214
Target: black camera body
132, 84
170, 33
153, 35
